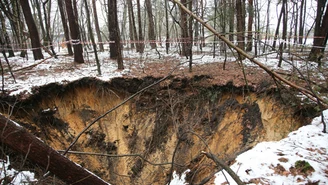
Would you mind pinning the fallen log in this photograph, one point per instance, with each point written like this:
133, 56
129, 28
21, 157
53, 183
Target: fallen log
19, 139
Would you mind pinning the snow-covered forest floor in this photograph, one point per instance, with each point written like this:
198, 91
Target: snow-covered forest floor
267, 163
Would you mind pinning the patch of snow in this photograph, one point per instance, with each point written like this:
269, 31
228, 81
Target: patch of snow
308, 143
16, 177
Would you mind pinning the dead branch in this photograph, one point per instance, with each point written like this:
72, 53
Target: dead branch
118, 156
20, 140
33, 65
272, 73
220, 163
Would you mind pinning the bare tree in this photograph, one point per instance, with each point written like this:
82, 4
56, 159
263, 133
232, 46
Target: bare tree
151, 25
114, 33
33, 32
75, 32
95, 16
320, 32
62, 10
141, 45
250, 10
91, 35
240, 17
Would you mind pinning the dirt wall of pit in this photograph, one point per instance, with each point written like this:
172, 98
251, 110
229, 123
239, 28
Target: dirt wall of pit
164, 128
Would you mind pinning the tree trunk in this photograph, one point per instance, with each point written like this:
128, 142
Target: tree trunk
114, 34
34, 35
277, 29
240, 17
231, 20
18, 139
87, 12
302, 22
282, 45
140, 37
65, 27
75, 32
47, 23
151, 25
167, 41
5, 35
184, 30
95, 16
250, 9
320, 33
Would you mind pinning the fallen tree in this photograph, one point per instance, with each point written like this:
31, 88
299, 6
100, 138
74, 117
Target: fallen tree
20, 140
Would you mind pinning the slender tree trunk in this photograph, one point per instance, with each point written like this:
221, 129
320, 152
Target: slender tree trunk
320, 32
131, 28
282, 45
7, 44
267, 26
151, 25
277, 29
302, 23
47, 23
75, 32
114, 31
34, 35
43, 31
62, 10
167, 41
231, 20
214, 26
184, 30
250, 26
240, 17
190, 40
94, 45
95, 16
140, 36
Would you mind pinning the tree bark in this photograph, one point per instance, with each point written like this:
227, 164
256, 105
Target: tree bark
140, 36
250, 9
18, 139
87, 11
151, 25
65, 27
167, 41
320, 32
114, 34
95, 15
33, 32
75, 32
240, 17
184, 30
5, 35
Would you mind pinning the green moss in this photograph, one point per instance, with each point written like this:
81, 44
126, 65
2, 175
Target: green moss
304, 166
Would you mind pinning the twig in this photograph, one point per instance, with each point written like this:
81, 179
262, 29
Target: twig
224, 166
118, 156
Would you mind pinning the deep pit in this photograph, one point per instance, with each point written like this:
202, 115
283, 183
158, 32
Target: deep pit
172, 121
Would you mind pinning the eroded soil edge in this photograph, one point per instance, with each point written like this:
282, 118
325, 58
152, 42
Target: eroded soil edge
167, 119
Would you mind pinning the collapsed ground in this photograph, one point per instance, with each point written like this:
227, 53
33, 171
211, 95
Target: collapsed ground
210, 109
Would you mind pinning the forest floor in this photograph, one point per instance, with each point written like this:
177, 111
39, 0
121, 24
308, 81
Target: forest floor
30, 74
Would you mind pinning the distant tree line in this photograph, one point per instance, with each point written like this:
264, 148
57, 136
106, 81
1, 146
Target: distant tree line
154, 22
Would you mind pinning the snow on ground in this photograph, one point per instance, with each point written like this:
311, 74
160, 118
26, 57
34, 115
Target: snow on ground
274, 162
308, 143
12, 176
